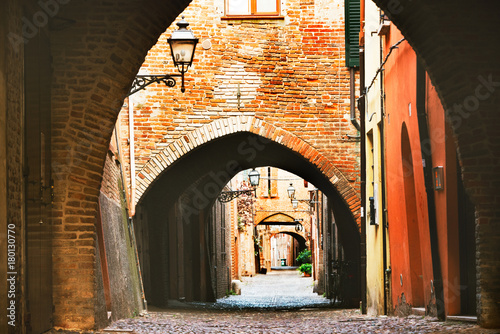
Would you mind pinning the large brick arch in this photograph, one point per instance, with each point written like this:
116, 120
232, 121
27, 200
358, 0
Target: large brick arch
97, 49
458, 44
227, 126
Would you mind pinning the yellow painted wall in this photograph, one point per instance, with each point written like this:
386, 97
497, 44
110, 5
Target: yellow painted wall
373, 117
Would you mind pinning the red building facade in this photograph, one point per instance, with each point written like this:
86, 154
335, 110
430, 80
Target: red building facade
431, 228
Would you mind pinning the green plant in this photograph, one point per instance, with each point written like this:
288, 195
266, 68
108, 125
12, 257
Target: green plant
304, 257
230, 293
306, 268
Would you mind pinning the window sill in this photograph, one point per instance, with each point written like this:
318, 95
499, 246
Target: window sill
253, 17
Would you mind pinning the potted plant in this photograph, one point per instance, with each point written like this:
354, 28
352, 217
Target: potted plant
304, 261
304, 257
306, 269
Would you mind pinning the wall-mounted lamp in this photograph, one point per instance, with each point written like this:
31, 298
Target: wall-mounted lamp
291, 191
438, 177
295, 201
254, 178
182, 46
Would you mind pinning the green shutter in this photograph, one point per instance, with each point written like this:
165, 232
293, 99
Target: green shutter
352, 22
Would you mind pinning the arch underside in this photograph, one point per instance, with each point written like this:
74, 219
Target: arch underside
247, 142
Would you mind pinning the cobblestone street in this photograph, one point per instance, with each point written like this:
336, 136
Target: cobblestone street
264, 307
279, 289
300, 321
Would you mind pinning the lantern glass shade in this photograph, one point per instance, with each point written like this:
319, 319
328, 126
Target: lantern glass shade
291, 191
182, 46
254, 177
295, 203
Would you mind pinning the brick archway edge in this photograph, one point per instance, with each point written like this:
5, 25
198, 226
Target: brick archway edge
226, 126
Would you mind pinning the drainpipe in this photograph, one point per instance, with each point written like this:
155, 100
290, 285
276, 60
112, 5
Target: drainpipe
429, 188
131, 155
352, 88
386, 272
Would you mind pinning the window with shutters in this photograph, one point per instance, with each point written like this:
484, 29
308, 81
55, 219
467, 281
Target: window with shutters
264, 182
252, 8
269, 182
273, 184
352, 26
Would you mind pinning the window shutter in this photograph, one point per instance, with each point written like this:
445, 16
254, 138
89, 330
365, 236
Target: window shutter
264, 186
352, 23
274, 182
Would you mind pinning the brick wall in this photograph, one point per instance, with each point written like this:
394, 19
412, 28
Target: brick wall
111, 179
94, 59
124, 285
291, 75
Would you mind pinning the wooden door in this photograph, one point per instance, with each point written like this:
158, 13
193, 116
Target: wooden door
38, 184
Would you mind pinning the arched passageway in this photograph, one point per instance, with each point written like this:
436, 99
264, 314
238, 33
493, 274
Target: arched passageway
285, 247
179, 205
95, 59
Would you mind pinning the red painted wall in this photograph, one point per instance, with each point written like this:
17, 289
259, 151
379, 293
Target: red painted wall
444, 154
407, 213
411, 260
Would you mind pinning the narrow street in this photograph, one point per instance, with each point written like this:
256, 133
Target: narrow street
279, 289
270, 304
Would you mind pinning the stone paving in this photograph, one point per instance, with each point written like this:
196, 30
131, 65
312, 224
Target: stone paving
297, 321
285, 293
279, 289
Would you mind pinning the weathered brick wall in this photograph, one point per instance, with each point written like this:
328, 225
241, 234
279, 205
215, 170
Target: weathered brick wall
95, 56
125, 289
291, 75
111, 178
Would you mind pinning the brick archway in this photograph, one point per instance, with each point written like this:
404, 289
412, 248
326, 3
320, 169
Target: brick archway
290, 229
88, 93
227, 126
95, 56
285, 216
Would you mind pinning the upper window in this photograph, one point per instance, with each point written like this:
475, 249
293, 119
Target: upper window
252, 7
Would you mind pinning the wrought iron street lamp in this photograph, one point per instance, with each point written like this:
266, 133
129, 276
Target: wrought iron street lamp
182, 46
227, 196
291, 191
295, 201
254, 177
